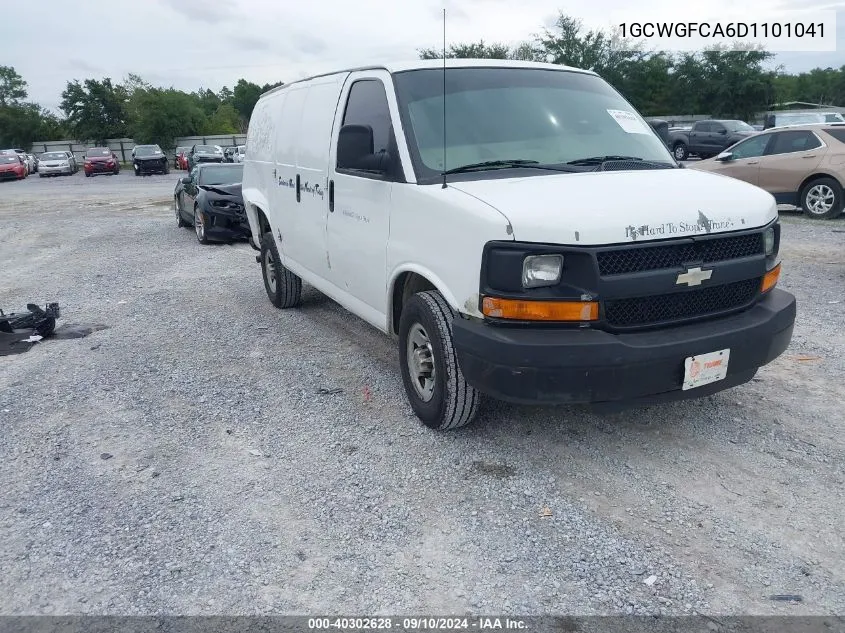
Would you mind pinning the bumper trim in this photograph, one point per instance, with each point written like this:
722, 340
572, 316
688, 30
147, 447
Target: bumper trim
533, 365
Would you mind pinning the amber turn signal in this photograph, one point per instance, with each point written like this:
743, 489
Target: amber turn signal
770, 279
521, 310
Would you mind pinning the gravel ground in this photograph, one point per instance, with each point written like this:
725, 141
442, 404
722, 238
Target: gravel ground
185, 460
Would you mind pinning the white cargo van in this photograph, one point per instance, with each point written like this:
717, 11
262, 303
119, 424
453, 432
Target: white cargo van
550, 251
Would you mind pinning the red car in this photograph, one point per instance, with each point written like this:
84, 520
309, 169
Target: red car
12, 167
100, 160
182, 157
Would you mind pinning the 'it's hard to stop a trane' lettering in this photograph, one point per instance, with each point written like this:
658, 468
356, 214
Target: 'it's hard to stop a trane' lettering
676, 228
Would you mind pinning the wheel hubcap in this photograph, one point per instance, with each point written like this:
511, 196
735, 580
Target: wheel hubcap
420, 358
198, 224
679, 152
270, 271
820, 199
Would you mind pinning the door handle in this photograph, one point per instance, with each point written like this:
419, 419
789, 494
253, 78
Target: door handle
752, 162
331, 196
298, 193
808, 156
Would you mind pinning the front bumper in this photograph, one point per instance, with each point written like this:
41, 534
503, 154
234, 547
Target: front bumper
49, 171
223, 225
10, 175
618, 371
101, 168
151, 167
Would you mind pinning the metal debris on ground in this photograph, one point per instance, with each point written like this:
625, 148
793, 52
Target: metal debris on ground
20, 330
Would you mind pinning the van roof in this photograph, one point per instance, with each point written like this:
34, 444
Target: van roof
421, 64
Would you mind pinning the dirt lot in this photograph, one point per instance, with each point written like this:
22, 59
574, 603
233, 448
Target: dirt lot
185, 459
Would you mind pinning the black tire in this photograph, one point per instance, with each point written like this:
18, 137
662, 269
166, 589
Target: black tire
166, 168
452, 403
177, 207
199, 227
284, 289
814, 197
87, 175
680, 151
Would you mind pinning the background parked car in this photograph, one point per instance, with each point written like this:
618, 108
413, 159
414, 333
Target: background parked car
803, 166
708, 138
72, 160
149, 159
210, 200
33, 163
779, 119
54, 164
100, 160
180, 160
12, 167
205, 154
20, 154
229, 154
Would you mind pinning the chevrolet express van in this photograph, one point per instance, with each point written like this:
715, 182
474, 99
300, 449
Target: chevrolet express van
544, 247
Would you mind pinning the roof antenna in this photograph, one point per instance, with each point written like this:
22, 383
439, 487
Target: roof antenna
444, 98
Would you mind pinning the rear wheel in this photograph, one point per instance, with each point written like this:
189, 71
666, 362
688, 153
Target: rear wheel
436, 388
284, 289
680, 151
822, 199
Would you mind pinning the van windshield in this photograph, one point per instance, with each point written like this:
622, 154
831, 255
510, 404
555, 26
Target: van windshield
548, 116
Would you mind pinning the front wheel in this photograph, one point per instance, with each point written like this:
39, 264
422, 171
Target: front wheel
680, 151
284, 289
177, 208
436, 388
822, 199
199, 226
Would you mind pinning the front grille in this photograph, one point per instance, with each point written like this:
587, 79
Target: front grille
654, 257
679, 306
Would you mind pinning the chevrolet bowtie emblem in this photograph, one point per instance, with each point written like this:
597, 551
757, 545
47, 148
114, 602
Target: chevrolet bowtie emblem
694, 277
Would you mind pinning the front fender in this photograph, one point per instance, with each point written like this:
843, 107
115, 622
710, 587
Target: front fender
436, 281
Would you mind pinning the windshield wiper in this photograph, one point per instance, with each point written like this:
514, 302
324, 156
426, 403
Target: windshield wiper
504, 164
598, 160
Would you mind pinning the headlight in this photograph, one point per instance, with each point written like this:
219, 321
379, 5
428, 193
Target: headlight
541, 270
769, 240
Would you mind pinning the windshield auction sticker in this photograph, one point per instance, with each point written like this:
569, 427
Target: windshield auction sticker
629, 122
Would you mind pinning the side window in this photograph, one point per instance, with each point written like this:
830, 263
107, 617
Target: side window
837, 133
752, 148
717, 128
701, 127
793, 141
367, 105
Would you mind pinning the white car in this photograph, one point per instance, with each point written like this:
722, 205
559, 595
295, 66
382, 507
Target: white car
55, 164
545, 248
239, 154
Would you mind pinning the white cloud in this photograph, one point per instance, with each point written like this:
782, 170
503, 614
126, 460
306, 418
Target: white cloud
192, 43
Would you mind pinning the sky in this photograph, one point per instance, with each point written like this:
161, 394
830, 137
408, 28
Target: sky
188, 44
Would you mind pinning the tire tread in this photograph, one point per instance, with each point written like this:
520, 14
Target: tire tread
462, 400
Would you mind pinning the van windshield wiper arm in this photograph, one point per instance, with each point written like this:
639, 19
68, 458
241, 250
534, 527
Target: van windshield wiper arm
598, 160
504, 164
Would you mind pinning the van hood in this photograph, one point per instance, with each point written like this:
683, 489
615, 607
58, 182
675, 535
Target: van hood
596, 208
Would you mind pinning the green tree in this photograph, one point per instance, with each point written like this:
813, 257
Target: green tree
207, 100
224, 121
245, 96
474, 50
96, 110
12, 86
225, 95
162, 115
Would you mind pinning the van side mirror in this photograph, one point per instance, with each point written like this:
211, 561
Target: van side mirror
186, 180
355, 150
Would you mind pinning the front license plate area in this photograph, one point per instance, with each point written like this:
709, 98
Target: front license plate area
705, 368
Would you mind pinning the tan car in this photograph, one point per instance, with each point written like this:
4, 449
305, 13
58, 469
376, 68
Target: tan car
802, 165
